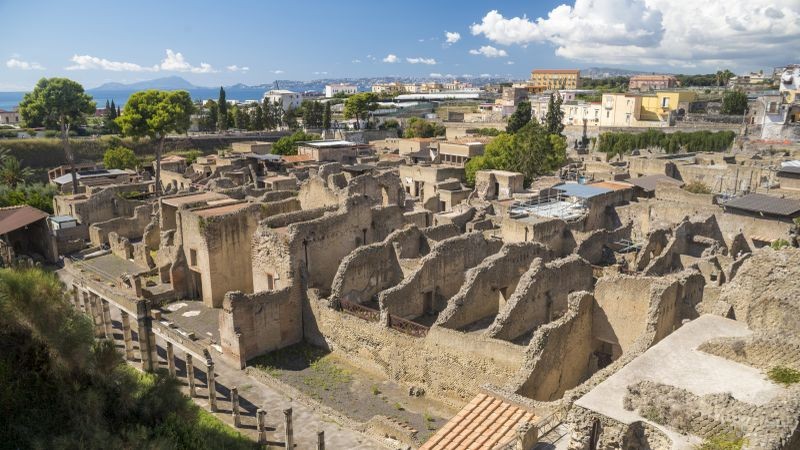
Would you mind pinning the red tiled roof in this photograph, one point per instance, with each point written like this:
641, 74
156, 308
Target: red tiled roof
16, 217
483, 423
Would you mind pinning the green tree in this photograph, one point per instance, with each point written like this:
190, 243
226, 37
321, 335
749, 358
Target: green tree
210, 116
358, 105
256, 118
270, 121
326, 117
555, 116
12, 172
734, 102
120, 158
495, 156
290, 119
421, 128
520, 117
60, 102
222, 104
155, 114
287, 145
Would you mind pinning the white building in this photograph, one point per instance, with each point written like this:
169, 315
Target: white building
290, 100
333, 89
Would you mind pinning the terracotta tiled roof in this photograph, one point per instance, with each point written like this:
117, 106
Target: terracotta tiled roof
484, 423
15, 217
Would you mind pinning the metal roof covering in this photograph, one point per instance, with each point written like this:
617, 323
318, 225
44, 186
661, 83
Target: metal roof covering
581, 190
649, 182
264, 157
766, 204
62, 219
795, 170
16, 217
332, 143
67, 178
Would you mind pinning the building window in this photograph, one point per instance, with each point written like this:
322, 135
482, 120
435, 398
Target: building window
665, 102
192, 257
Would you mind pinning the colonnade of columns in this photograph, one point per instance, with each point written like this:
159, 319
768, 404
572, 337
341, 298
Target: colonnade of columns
99, 310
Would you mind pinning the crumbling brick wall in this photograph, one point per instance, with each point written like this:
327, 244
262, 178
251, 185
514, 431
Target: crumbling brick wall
489, 286
440, 275
541, 296
129, 227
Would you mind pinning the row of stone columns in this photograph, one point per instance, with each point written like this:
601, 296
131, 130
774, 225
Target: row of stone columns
99, 310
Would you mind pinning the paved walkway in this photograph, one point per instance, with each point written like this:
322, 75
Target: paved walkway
252, 396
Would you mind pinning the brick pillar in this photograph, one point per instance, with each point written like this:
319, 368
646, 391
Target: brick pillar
147, 344
287, 417
171, 358
261, 416
320, 440
212, 386
127, 336
237, 420
109, 325
190, 374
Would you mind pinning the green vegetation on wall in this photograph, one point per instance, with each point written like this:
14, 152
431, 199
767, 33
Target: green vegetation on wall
62, 389
619, 143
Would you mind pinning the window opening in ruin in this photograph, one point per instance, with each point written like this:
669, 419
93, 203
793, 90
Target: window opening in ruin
497, 190
594, 438
270, 282
192, 257
427, 305
503, 297
604, 355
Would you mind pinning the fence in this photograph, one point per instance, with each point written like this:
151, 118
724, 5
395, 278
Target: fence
361, 311
407, 326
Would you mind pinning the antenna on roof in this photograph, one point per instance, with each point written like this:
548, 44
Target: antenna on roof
276, 85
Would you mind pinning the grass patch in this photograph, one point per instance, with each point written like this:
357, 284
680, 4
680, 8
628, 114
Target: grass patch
722, 442
429, 421
784, 375
398, 406
326, 375
652, 414
375, 390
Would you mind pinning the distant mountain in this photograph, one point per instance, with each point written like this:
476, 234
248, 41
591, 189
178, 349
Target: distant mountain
166, 83
607, 72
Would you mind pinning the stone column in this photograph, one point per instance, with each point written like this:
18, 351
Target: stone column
109, 325
212, 386
91, 307
261, 416
147, 344
127, 336
100, 319
190, 374
75, 299
171, 358
320, 440
146, 337
237, 420
287, 416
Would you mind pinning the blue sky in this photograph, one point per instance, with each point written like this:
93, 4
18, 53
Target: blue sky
211, 42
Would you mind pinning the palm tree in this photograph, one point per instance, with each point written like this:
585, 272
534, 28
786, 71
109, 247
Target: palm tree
12, 172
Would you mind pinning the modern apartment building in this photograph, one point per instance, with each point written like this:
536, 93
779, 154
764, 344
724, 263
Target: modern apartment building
339, 88
652, 82
289, 99
551, 79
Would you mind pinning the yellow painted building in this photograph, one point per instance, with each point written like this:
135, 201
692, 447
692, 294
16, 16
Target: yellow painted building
651, 110
548, 79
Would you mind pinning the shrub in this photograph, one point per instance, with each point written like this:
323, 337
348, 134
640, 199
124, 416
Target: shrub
779, 244
723, 442
37, 195
287, 145
697, 187
784, 375
619, 143
120, 158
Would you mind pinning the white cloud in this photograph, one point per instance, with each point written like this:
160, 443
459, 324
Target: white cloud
15, 63
320, 73
235, 68
489, 52
173, 62
486, 75
420, 40
451, 37
391, 58
435, 75
177, 63
277, 72
428, 61
713, 33
88, 62
356, 61
467, 75
510, 63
